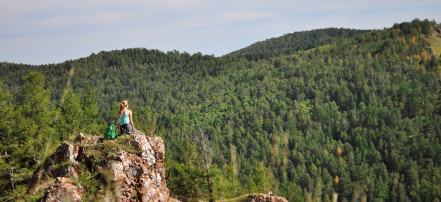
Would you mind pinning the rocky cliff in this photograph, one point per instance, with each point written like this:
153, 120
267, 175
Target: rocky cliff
130, 168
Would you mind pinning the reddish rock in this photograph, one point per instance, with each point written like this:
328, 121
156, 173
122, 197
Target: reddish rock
143, 176
63, 190
133, 177
66, 154
91, 140
265, 198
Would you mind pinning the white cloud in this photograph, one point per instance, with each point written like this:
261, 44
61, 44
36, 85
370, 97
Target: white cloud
210, 26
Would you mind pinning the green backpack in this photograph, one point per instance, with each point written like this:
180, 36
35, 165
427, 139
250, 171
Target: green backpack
111, 132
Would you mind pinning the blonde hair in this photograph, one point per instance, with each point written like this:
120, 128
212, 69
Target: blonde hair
123, 105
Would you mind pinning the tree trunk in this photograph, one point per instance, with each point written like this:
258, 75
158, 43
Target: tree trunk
11, 178
207, 158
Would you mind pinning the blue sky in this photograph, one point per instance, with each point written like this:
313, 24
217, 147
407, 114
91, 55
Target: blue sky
53, 31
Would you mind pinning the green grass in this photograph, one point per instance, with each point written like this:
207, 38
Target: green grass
237, 199
242, 198
109, 149
326, 47
435, 44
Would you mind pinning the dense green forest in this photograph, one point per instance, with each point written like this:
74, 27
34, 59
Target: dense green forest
290, 43
355, 113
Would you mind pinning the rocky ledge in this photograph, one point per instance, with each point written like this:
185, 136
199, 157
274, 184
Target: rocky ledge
130, 168
265, 198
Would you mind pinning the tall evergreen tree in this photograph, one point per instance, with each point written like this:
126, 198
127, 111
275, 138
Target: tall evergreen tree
7, 182
71, 117
32, 139
91, 118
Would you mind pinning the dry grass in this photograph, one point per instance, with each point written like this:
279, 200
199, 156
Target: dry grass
435, 44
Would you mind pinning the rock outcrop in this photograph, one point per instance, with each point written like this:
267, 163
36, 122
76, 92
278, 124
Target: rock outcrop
143, 176
63, 190
134, 174
265, 198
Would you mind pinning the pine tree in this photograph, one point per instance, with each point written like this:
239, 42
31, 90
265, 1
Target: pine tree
91, 117
35, 118
71, 119
32, 140
6, 118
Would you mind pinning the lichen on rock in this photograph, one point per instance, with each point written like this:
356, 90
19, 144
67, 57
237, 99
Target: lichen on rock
132, 165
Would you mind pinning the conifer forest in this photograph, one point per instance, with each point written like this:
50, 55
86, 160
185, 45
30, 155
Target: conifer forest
307, 115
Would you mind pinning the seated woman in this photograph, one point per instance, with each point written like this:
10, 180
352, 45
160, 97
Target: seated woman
125, 118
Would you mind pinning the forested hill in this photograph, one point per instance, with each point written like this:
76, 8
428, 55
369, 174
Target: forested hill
358, 117
292, 42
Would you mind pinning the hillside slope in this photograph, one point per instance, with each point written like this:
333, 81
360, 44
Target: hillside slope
296, 41
358, 118
435, 44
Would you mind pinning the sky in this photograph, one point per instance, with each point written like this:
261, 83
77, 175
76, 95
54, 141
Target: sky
53, 31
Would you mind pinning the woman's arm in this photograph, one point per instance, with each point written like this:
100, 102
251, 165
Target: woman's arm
119, 117
131, 119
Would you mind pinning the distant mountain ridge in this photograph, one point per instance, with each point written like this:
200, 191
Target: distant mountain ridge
292, 42
356, 118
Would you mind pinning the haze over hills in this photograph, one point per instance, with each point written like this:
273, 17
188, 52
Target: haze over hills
307, 115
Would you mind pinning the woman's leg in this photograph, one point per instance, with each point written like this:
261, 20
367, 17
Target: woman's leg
122, 129
129, 128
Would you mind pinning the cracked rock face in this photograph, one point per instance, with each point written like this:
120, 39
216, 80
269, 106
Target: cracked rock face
63, 190
143, 176
134, 177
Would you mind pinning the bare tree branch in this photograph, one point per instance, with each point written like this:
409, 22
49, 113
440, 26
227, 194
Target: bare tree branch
208, 157
11, 178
